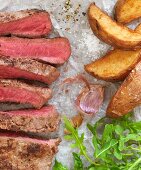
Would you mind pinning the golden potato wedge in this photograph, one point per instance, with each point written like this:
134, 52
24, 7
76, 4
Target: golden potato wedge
128, 96
127, 10
111, 32
138, 28
115, 65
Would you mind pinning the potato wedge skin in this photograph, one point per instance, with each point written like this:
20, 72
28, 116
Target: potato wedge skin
128, 96
127, 10
111, 32
115, 65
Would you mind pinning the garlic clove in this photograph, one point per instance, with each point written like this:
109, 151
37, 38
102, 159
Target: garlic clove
90, 99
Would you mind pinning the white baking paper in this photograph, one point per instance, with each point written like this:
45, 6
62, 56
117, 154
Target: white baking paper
85, 48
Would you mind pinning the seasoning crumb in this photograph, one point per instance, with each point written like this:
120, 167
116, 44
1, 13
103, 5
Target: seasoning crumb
72, 13
84, 13
67, 29
67, 5
66, 91
68, 17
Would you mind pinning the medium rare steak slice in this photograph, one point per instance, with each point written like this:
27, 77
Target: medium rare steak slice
45, 120
25, 23
27, 69
56, 50
18, 92
21, 153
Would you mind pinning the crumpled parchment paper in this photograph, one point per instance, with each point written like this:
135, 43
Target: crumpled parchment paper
72, 23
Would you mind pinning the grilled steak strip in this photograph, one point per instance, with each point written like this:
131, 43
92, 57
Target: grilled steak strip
27, 69
21, 153
27, 23
56, 50
45, 120
18, 92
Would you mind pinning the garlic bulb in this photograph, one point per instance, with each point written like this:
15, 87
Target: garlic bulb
90, 99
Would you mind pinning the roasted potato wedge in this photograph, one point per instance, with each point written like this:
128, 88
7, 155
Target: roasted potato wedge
111, 32
128, 96
127, 10
115, 65
138, 28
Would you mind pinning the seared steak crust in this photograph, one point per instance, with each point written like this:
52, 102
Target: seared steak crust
20, 153
27, 69
45, 120
15, 15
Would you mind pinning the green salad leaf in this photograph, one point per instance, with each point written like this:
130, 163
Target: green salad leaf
116, 145
77, 162
59, 166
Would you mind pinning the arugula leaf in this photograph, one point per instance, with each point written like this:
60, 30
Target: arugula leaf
59, 166
95, 144
119, 130
107, 133
78, 165
117, 153
93, 130
107, 146
135, 164
77, 139
74, 135
134, 137
136, 126
98, 168
68, 137
117, 147
121, 143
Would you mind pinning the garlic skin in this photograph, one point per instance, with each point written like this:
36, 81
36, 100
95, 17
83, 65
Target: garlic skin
90, 99
76, 121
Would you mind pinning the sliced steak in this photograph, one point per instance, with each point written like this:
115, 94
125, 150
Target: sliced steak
18, 92
21, 153
27, 69
45, 120
56, 50
25, 23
